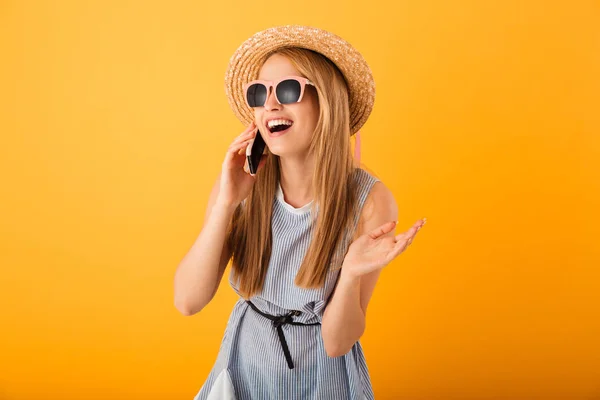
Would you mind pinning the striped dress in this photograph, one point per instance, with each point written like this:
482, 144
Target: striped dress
251, 363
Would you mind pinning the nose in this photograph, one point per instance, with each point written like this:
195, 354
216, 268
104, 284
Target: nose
271, 102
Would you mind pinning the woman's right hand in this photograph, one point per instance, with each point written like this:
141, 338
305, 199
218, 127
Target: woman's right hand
236, 181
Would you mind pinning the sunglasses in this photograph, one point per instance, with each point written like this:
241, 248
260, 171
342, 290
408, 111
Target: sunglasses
288, 90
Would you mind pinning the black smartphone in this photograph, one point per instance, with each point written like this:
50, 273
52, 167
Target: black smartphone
254, 152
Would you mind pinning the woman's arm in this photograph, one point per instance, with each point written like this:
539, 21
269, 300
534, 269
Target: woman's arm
201, 270
344, 317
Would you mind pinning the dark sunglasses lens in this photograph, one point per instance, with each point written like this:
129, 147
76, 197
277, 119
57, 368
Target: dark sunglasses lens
256, 95
288, 91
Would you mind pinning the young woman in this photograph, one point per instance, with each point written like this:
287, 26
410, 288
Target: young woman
309, 233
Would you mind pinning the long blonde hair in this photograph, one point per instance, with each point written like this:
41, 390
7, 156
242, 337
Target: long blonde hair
249, 232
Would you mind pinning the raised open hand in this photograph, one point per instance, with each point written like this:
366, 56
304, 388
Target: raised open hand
371, 251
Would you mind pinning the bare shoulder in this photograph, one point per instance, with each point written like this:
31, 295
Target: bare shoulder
380, 207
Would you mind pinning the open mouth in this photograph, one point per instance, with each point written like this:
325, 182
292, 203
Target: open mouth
279, 127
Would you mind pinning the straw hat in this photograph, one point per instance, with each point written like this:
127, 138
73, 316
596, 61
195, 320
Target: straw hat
245, 64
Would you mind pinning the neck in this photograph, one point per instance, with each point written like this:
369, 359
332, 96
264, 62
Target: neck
296, 180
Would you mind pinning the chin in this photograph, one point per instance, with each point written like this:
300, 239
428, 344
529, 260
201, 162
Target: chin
278, 151
287, 150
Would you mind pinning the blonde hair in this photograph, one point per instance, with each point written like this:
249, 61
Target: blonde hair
249, 231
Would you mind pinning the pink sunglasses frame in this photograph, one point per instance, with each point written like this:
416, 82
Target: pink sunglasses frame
268, 84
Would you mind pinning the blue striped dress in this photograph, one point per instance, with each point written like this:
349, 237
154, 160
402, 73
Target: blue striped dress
251, 363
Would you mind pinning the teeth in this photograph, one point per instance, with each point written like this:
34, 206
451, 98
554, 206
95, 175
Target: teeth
274, 122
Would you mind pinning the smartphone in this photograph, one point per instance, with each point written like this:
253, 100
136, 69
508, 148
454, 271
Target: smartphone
254, 151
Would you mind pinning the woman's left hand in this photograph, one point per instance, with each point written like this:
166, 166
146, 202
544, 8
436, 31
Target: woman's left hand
371, 251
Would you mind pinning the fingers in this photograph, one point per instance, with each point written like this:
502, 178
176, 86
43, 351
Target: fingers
245, 136
382, 230
235, 148
242, 140
408, 236
388, 226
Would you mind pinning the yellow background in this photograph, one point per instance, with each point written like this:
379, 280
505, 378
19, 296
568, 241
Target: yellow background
114, 125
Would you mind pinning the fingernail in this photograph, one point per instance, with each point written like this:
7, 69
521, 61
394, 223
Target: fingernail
424, 221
